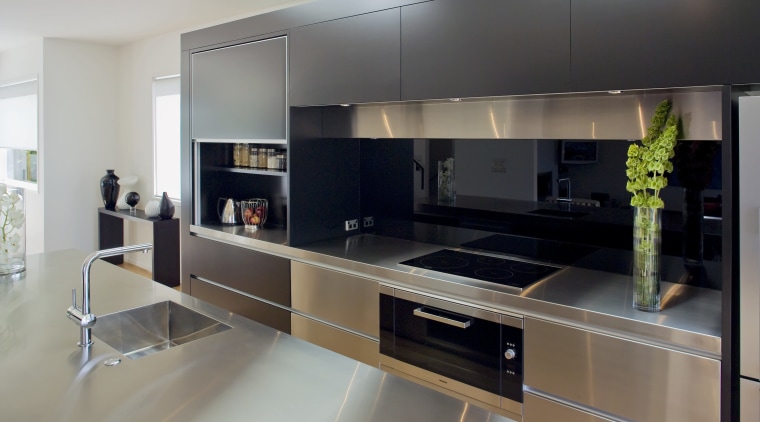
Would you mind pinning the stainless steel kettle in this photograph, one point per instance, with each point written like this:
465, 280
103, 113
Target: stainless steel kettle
228, 210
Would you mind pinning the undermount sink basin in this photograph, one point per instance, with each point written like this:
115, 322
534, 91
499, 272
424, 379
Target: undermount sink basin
558, 213
149, 329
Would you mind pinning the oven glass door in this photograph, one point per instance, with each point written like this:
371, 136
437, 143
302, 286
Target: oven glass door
451, 344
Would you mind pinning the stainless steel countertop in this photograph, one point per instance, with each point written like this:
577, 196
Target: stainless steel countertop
251, 372
690, 320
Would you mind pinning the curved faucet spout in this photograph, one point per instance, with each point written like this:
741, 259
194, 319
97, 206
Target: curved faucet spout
83, 317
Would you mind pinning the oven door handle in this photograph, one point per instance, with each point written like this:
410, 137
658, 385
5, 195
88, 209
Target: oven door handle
420, 312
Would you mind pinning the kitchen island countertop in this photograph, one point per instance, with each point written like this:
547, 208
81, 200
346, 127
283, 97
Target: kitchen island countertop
250, 372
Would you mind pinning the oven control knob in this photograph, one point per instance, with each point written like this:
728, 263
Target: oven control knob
510, 354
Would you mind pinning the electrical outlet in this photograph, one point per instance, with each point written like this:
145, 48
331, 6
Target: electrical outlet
352, 225
369, 221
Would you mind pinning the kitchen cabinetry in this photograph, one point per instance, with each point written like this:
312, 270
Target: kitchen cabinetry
451, 48
749, 401
337, 311
239, 92
351, 60
240, 304
655, 43
215, 176
616, 376
251, 283
537, 408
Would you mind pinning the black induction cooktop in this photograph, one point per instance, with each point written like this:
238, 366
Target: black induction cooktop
504, 271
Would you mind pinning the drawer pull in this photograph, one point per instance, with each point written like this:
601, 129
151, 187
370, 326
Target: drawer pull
442, 317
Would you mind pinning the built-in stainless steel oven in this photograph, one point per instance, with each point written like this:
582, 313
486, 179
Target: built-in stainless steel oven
472, 353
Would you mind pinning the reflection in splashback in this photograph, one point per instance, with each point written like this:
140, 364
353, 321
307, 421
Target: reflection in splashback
530, 170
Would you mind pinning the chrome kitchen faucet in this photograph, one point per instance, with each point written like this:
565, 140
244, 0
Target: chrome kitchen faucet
83, 317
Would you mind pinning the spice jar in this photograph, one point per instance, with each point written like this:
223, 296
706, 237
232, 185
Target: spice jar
253, 156
236, 151
262, 158
243, 155
271, 159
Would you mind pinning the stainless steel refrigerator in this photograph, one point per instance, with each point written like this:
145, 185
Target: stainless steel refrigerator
749, 246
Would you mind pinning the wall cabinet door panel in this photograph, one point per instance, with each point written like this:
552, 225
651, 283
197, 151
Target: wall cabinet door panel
239, 92
454, 48
656, 43
350, 60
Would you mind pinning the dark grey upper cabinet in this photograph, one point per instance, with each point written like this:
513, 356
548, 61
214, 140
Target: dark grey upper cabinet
663, 43
350, 60
239, 92
455, 48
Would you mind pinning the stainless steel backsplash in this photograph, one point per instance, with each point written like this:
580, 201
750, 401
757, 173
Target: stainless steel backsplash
560, 116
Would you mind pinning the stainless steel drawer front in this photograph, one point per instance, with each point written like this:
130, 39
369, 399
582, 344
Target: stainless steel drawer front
337, 298
620, 377
539, 409
339, 341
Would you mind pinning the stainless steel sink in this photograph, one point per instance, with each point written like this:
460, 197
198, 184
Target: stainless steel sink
149, 329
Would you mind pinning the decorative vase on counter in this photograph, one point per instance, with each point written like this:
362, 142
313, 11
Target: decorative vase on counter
109, 189
125, 183
13, 230
647, 167
647, 230
165, 207
132, 199
152, 209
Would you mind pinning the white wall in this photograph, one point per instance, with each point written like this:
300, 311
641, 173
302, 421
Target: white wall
139, 63
80, 118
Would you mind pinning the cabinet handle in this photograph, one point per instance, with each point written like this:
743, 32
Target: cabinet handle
438, 316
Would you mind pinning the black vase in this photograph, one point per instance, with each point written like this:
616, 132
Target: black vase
165, 207
132, 198
109, 189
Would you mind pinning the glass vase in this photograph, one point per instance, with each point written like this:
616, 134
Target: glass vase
647, 240
12, 230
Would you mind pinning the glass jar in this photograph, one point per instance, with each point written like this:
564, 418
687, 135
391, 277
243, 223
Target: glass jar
12, 230
236, 150
271, 159
262, 158
253, 156
243, 155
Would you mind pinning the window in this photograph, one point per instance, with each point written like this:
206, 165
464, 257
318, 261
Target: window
166, 138
18, 132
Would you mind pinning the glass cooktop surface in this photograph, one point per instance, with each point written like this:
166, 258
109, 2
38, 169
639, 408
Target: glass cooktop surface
505, 271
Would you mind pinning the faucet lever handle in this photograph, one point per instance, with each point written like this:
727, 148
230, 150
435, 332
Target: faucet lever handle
74, 298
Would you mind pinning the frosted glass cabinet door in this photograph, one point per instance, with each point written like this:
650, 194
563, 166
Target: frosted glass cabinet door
239, 92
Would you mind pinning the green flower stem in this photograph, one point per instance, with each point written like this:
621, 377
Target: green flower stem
646, 255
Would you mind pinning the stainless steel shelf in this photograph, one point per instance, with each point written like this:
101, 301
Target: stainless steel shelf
246, 170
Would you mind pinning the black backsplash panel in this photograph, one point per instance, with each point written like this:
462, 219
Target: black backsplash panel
386, 168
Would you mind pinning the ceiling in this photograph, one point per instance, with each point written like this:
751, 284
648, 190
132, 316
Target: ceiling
118, 22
